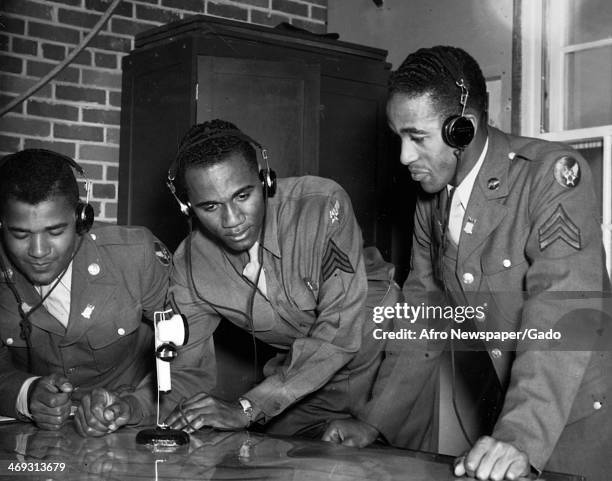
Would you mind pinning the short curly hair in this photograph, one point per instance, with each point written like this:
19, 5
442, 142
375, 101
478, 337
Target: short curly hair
210, 143
434, 71
35, 175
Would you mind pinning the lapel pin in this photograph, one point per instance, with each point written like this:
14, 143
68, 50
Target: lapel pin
469, 226
493, 183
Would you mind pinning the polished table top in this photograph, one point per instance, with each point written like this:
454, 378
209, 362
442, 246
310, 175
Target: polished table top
64, 455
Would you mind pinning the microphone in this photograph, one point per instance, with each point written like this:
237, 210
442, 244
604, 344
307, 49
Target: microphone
171, 330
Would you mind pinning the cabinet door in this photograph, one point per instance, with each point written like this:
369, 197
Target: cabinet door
275, 103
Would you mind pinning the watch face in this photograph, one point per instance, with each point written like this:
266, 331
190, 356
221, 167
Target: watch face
246, 405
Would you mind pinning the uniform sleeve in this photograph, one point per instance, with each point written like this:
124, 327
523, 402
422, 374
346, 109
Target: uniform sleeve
563, 285
335, 335
403, 396
155, 275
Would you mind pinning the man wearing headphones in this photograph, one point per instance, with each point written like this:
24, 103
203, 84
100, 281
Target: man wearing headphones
509, 225
283, 262
71, 298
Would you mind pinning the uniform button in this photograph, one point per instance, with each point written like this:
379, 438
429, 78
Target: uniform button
121, 331
70, 370
468, 278
93, 269
93, 236
9, 341
496, 353
507, 262
597, 405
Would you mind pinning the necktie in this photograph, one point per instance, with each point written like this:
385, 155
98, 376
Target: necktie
250, 270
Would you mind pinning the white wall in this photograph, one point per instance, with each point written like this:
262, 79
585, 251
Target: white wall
481, 27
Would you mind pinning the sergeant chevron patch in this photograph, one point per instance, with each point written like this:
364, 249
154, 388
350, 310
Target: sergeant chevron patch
559, 226
333, 259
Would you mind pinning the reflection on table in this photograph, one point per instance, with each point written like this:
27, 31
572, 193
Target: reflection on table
211, 455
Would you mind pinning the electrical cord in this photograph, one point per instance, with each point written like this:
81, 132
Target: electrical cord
64, 63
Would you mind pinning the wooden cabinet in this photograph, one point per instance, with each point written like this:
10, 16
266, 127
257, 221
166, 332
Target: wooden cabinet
315, 103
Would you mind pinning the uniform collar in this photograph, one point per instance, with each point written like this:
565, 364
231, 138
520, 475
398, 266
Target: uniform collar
464, 189
270, 242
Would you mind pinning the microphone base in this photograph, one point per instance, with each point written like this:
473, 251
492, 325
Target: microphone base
162, 438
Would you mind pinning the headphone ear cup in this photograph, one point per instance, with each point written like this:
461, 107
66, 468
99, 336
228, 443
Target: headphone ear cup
84, 217
457, 131
268, 180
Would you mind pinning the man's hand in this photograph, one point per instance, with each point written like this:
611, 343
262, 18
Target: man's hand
49, 401
350, 432
102, 412
204, 410
494, 460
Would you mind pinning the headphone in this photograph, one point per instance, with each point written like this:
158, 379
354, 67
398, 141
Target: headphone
457, 130
267, 176
84, 211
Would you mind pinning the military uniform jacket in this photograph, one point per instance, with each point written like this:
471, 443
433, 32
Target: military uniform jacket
316, 288
119, 274
531, 250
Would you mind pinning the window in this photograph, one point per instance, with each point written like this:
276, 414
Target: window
567, 85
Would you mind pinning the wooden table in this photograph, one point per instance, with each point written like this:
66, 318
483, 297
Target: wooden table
209, 455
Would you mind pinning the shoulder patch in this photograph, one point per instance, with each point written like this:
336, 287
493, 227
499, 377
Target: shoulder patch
559, 226
567, 172
162, 253
333, 259
334, 212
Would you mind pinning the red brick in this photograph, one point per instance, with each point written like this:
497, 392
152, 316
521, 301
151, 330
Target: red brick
19, 84
78, 132
105, 60
156, 14
78, 18
257, 3
112, 136
40, 69
6, 99
80, 94
227, 11
97, 116
322, 3
101, 79
317, 13
54, 51
99, 152
9, 144
11, 64
104, 191
129, 27
25, 46
21, 125
74, 3
13, 25
109, 42
110, 210
66, 148
311, 27
188, 5
4, 43
54, 33
96, 205
112, 173
269, 19
125, 8
92, 171
28, 8
293, 8
54, 110
83, 58
114, 99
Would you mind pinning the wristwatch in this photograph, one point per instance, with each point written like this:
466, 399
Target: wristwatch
247, 409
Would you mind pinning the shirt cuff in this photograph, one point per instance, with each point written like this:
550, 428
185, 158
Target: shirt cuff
270, 397
21, 405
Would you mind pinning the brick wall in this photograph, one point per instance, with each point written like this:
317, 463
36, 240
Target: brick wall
78, 112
